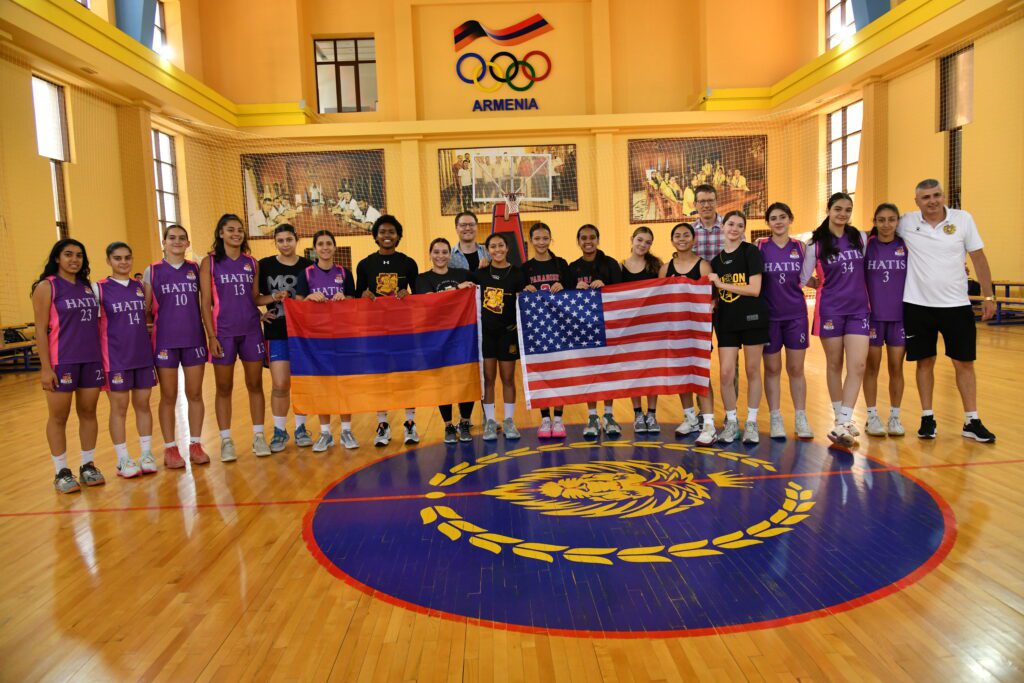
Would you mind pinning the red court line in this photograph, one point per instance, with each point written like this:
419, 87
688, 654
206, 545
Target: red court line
455, 494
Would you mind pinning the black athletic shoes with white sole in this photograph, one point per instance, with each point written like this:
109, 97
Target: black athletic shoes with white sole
975, 430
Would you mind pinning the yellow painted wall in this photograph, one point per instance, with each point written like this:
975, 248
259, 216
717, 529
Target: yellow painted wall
916, 149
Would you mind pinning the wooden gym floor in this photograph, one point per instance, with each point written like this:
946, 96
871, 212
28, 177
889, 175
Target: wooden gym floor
207, 575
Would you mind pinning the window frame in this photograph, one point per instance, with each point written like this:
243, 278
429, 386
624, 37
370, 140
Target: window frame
846, 19
162, 222
338, 64
58, 180
845, 135
159, 26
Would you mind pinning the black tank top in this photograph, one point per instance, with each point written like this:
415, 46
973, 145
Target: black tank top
693, 273
628, 276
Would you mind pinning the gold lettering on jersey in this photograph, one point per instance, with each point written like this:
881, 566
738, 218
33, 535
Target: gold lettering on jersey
738, 279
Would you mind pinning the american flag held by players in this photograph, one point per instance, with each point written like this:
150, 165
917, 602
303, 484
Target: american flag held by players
634, 339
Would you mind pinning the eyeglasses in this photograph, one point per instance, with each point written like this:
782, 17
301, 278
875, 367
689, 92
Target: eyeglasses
465, 225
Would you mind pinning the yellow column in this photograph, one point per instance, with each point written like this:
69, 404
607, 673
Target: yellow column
873, 175
415, 224
135, 133
405, 54
601, 59
612, 230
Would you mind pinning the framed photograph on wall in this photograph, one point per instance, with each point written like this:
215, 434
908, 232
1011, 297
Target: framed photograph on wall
663, 173
343, 192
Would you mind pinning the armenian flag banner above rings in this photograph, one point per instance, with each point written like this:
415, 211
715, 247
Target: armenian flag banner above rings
363, 355
635, 339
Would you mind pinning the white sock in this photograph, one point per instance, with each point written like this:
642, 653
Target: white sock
346, 426
280, 422
410, 414
730, 416
845, 414
145, 444
752, 414
799, 413
488, 411
971, 415
927, 413
196, 439
88, 456
592, 411
325, 427
872, 411
382, 416
225, 434
257, 429
510, 410
836, 407
122, 452
300, 421
778, 413
709, 419
690, 413
894, 411
59, 462
169, 445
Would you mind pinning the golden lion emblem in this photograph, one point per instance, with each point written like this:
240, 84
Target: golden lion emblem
387, 283
630, 488
494, 299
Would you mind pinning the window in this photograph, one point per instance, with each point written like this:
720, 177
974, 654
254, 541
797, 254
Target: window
956, 83
346, 75
160, 28
83, 3
52, 143
844, 133
165, 172
839, 21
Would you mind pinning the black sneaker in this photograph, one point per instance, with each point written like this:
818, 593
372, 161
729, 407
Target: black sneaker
464, 434
90, 475
975, 430
450, 434
927, 429
65, 482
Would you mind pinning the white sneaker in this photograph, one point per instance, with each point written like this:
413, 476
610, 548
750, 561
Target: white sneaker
707, 434
895, 427
490, 430
803, 428
688, 426
639, 424
776, 427
227, 450
852, 428
383, 437
652, 424
874, 426
508, 428
148, 463
323, 442
129, 469
729, 432
411, 435
750, 434
348, 440
841, 436
259, 445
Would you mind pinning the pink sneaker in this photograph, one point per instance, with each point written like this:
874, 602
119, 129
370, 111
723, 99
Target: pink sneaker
544, 432
172, 458
197, 455
558, 430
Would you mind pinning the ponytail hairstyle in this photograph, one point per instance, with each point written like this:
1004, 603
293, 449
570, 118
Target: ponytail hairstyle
823, 236
652, 264
217, 249
537, 227
884, 206
51, 267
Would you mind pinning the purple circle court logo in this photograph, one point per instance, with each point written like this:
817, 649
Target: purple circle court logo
629, 538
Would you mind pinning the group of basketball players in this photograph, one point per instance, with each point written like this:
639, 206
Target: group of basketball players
895, 289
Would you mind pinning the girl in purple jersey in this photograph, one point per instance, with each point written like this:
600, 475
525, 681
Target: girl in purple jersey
783, 259
834, 264
172, 300
127, 359
886, 257
66, 311
328, 281
227, 284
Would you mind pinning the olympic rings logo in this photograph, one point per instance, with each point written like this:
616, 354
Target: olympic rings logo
479, 68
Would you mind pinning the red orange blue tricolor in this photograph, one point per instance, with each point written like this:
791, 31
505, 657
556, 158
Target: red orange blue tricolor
527, 29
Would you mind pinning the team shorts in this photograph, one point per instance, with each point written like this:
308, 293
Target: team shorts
741, 338
841, 325
277, 349
186, 357
249, 347
136, 378
923, 324
887, 333
72, 376
503, 345
789, 333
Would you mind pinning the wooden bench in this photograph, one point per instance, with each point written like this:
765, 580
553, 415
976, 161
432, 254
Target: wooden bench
17, 350
1009, 310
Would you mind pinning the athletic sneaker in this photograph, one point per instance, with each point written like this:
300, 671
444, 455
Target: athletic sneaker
639, 424
593, 427
611, 427
411, 435
750, 434
707, 435
147, 463
841, 436
65, 482
544, 431
172, 458
874, 426
490, 430
688, 426
227, 450
278, 440
776, 427
197, 455
509, 429
803, 428
383, 437
558, 429
730, 432
464, 434
927, 429
90, 475
852, 428
895, 427
975, 430
652, 424
325, 441
303, 438
348, 440
451, 435
129, 469
259, 445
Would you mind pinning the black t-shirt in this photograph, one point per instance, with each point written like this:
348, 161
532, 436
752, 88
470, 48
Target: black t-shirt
385, 275
629, 276
735, 311
603, 268
473, 259
544, 274
274, 277
498, 289
430, 282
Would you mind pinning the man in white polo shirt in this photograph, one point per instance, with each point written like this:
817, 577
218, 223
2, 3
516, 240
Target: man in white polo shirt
935, 300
